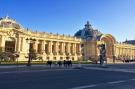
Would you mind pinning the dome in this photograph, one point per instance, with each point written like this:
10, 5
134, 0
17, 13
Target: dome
7, 22
88, 33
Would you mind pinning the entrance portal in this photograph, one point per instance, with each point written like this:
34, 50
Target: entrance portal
109, 42
10, 46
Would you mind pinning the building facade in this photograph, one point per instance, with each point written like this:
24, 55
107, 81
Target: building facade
84, 45
16, 39
115, 52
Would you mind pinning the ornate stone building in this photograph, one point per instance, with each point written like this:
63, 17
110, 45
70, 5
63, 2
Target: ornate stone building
84, 45
115, 52
15, 38
130, 42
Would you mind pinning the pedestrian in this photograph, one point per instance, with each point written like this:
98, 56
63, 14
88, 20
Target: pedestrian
64, 62
70, 63
59, 63
49, 63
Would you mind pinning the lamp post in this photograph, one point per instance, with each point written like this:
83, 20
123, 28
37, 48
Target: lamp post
30, 54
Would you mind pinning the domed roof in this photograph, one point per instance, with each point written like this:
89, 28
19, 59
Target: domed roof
130, 42
88, 33
7, 22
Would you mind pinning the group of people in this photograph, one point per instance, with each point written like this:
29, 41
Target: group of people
65, 63
125, 60
128, 60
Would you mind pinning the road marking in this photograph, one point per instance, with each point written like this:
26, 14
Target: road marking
83, 87
133, 79
115, 82
111, 69
28, 71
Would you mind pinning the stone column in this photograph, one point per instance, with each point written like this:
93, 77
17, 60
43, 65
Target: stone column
132, 52
43, 46
72, 49
47, 47
23, 43
2, 45
56, 45
68, 49
128, 52
57, 48
125, 51
75, 48
43, 50
35, 46
79, 48
26, 45
116, 51
40, 47
18, 44
119, 51
50, 48
122, 51
63, 48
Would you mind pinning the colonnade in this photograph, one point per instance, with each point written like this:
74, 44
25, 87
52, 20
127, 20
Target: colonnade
54, 47
48, 49
124, 52
57, 50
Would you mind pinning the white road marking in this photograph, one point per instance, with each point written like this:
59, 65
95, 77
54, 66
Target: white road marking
133, 79
111, 69
28, 71
83, 87
115, 82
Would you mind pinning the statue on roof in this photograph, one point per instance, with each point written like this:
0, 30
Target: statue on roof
7, 22
88, 25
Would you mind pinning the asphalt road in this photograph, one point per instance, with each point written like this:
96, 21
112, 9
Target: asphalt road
66, 79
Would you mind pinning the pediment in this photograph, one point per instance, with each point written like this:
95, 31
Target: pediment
12, 32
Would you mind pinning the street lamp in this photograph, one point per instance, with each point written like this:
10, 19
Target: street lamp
30, 54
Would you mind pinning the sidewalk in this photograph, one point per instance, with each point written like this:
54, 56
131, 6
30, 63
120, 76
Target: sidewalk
112, 67
118, 68
4, 68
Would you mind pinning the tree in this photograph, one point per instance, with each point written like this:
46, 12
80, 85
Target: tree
8, 56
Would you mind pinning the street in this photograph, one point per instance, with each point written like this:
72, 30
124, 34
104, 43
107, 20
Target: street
70, 78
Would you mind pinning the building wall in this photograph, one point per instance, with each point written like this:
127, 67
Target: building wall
115, 52
61, 47
124, 52
49, 46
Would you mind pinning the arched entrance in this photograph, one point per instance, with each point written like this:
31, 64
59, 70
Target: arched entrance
109, 42
10, 45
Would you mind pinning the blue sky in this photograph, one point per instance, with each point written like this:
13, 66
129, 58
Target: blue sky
116, 17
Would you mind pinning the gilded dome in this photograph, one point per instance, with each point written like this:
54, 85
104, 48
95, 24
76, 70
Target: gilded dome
88, 33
